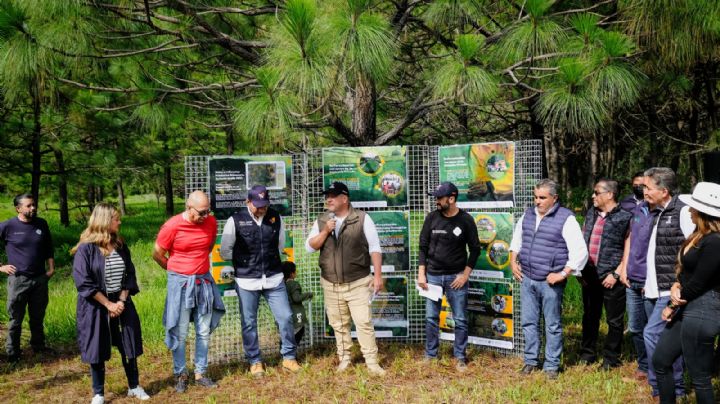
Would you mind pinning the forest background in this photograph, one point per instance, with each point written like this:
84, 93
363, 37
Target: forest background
101, 99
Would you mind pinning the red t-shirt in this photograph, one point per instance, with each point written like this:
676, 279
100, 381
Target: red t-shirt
188, 244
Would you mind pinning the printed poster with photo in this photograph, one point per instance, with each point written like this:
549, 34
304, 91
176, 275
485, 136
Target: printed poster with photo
490, 315
495, 232
394, 233
232, 176
375, 176
389, 310
484, 173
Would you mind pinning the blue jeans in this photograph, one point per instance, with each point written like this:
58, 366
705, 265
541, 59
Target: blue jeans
457, 298
280, 306
537, 296
638, 309
202, 339
653, 329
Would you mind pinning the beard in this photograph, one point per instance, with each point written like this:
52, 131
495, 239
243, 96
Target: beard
29, 215
443, 208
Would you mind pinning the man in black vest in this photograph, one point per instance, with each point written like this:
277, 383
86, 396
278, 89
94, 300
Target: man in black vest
348, 244
254, 238
605, 229
672, 225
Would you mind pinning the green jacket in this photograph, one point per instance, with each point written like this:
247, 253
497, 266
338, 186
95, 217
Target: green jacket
296, 298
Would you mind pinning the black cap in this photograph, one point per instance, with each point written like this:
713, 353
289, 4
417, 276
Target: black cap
259, 196
337, 188
444, 189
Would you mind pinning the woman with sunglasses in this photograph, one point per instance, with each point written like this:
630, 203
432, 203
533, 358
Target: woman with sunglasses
693, 313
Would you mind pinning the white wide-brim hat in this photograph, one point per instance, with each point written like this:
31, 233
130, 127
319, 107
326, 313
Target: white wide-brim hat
705, 198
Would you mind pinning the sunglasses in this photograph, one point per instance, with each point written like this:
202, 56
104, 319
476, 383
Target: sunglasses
202, 213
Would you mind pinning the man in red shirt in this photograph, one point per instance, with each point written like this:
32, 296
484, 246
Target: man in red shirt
182, 248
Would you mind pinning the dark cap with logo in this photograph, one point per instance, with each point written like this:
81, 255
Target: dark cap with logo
444, 189
337, 188
259, 196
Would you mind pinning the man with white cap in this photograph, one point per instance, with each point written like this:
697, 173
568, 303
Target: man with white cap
253, 239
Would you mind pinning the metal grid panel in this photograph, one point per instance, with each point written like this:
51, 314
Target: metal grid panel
308, 204
528, 171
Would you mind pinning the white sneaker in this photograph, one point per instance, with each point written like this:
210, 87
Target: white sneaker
343, 365
138, 393
98, 399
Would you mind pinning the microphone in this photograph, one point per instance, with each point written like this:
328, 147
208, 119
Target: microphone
331, 215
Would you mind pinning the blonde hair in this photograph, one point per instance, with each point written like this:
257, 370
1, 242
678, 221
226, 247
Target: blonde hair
98, 229
706, 224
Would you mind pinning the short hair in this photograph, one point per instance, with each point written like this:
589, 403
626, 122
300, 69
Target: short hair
663, 178
288, 268
17, 199
548, 184
638, 174
610, 185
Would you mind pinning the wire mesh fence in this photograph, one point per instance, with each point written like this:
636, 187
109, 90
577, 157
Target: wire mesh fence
423, 169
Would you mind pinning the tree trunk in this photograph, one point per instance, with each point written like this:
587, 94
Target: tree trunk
167, 176
229, 133
35, 145
62, 187
121, 197
363, 114
551, 156
91, 196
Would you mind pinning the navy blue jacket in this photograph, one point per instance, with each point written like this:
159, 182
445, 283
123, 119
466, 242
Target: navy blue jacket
93, 326
256, 250
544, 251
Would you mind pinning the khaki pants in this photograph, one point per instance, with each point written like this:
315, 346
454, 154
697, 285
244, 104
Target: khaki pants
347, 301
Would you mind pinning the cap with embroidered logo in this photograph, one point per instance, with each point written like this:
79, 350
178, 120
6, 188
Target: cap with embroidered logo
444, 189
259, 196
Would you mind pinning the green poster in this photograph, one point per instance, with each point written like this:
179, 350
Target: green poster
393, 230
232, 176
495, 232
484, 173
489, 315
375, 176
389, 310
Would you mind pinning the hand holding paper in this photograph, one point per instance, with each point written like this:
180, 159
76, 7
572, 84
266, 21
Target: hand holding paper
433, 292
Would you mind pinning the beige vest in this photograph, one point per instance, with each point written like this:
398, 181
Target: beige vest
345, 259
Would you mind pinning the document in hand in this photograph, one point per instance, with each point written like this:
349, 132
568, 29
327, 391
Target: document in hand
434, 292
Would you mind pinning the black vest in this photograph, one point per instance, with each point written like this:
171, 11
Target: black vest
667, 244
612, 241
256, 247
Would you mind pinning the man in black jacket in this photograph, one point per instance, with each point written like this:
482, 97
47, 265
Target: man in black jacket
444, 261
605, 229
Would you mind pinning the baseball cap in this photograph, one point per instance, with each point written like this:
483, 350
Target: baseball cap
259, 196
337, 188
444, 189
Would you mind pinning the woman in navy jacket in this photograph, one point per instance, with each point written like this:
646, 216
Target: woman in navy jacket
105, 279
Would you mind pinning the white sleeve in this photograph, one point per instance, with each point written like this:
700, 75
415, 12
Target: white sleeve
227, 241
516, 242
686, 224
281, 239
577, 250
371, 235
313, 232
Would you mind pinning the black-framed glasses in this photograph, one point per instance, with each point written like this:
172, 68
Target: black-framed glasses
203, 213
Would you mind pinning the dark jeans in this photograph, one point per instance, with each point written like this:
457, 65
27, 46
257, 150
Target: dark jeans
31, 292
97, 370
691, 335
457, 299
595, 296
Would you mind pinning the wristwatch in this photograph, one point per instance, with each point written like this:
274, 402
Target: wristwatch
615, 275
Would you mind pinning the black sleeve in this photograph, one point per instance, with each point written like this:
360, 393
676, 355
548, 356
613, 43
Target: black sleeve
48, 248
424, 243
473, 242
707, 268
